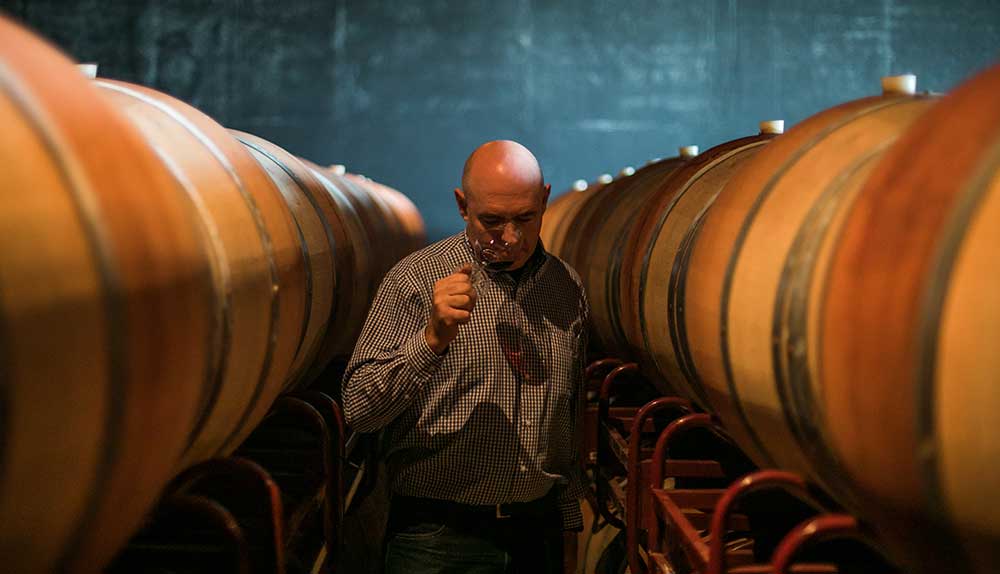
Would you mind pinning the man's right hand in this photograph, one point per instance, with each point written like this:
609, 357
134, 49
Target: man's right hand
454, 299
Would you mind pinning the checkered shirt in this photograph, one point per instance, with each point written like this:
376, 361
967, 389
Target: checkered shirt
495, 419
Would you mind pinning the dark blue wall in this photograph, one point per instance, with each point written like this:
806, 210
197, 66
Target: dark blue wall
403, 90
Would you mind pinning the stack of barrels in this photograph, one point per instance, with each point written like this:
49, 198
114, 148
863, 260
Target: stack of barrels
162, 281
833, 294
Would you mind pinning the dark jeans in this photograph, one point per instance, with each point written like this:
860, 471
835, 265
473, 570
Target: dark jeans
444, 543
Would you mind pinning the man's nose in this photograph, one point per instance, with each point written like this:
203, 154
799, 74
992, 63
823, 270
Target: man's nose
511, 233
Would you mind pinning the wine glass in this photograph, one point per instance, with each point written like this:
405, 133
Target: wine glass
491, 254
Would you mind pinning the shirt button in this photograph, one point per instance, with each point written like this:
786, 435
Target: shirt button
524, 468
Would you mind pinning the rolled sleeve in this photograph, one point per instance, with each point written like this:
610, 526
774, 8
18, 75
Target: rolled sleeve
419, 355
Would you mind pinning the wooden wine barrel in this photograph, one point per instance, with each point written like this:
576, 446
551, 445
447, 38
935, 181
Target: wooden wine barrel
556, 215
388, 227
373, 229
657, 260
606, 222
391, 250
628, 277
401, 218
760, 252
106, 316
579, 239
356, 276
912, 303
561, 216
325, 245
258, 261
414, 234
380, 231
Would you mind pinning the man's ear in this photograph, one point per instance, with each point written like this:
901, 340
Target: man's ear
545, 196
463, 205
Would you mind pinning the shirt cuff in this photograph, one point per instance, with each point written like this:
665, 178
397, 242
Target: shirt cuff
568, 501
419, 355
570, 513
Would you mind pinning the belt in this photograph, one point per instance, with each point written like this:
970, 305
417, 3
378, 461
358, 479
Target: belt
436, 510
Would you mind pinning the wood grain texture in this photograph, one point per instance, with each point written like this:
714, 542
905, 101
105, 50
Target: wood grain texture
145, 301
321, 232
163, 279
713, 248
966, 373
378, 230
655, 265
759, 268
899, 309
355, 273
560, 217
242, 349
616, 215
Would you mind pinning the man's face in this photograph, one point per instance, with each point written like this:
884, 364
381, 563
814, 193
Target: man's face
508, 215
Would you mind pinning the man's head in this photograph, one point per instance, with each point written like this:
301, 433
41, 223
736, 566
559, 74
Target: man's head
503, 195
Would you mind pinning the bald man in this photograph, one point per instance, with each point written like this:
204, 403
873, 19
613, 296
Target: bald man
478, 387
